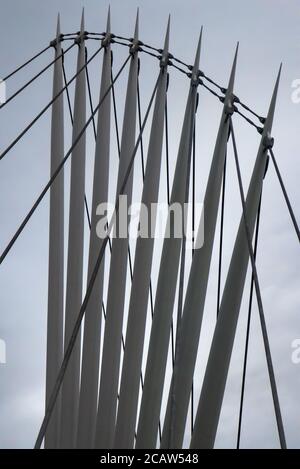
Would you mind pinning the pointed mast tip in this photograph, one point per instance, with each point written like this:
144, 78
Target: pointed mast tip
136, 29
108, 26
82, 21
197, 56
58, 25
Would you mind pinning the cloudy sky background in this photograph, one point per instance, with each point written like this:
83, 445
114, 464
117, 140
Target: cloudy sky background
268, 31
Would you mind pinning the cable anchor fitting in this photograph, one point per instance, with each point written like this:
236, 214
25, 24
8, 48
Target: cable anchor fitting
262, 120
56, 41
195, 80
268, 141
107, 39
164, 60
230, 108
81, 37
135, 46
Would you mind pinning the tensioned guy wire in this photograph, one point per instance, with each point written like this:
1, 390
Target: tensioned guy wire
287, 200
254, 281
248, 331
90, 93
37, 117
56, 172
259, 300
247, 119
35, 77
26, 63
146, 48
203, 75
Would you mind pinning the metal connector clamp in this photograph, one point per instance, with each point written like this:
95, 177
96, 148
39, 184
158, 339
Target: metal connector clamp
195, 81
135, 47
80, 37
268, 141
56, 41
230, 108
164, 60
106, 40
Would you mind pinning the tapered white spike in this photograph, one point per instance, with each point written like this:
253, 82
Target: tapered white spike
167, 36
197, 56
213, 387
92, 325
167, 281
129, 389
70, 387
110, 366
180, 389
136, 29
82, 21
56, 251
108, 26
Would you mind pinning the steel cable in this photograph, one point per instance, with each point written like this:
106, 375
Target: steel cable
69, 349
56, 172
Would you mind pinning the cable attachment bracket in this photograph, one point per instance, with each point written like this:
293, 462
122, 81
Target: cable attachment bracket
229, 108
107, 40
81, 37
55, 41
195, 78
202, 75
165, 60
135, 46
268, 141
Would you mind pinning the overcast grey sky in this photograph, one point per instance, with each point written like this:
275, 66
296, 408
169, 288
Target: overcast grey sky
268, 32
